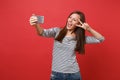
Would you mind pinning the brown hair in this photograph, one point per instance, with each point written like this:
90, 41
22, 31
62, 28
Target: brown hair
80, 34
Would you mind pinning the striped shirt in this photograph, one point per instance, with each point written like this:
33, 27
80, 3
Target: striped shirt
64, 57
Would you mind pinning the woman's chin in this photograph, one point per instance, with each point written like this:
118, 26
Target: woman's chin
69, 29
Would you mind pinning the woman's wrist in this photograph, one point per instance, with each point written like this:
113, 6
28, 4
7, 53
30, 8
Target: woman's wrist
37, 25
89, 29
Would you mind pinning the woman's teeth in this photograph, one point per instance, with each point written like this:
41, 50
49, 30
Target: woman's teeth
69, 24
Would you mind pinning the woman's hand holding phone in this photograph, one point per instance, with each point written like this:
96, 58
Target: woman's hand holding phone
36, 19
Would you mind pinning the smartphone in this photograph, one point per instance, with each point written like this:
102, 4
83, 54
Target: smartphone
40, 19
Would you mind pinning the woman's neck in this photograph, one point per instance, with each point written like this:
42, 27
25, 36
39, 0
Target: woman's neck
70, 33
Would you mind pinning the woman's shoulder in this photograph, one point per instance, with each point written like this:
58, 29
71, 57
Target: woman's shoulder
57, 29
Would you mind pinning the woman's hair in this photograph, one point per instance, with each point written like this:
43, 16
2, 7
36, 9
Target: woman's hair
80, 34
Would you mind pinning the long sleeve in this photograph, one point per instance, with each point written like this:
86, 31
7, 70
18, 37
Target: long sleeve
91, 40
51, 32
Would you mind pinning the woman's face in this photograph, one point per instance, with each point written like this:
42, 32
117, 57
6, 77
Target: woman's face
72, 21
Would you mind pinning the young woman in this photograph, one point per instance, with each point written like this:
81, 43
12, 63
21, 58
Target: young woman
68, 41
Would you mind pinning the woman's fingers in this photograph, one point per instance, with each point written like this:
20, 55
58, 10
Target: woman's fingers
82, 26
78, 25
32, 24
80, 21
33, 20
